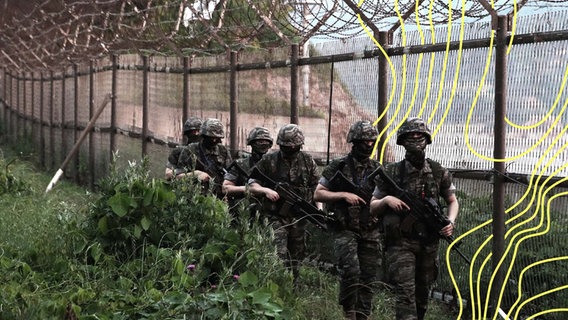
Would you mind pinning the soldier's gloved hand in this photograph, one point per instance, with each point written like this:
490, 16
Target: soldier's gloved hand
396, 204
353, 199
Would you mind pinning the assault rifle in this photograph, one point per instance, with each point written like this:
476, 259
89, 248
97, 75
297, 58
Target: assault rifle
424, 210
239, 169
339, 182
213, 173
290, 198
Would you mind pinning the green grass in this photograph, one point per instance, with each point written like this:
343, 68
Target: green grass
31, 217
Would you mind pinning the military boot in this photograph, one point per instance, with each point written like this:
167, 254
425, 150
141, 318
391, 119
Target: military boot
421, 312
350, 315
362, 316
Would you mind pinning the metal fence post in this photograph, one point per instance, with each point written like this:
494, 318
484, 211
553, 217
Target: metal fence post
145, 107
499, 153
18, 109
5, 93
185, 103
382, 92
24, 121
51, 133
10, 125
41, 135
234, 104
91, 113
294, 83
32, 113
330, 112
76, 117
114, 92
62, 115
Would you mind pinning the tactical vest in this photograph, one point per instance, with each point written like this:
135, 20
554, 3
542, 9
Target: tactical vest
354, 217
299, 184
428, 186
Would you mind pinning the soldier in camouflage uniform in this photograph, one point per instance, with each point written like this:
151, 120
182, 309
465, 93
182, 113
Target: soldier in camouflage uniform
207, 159
191, 129
298, 169
235, 182
357, 245
411, 249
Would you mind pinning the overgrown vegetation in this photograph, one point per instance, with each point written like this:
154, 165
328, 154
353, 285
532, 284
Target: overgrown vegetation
140, 248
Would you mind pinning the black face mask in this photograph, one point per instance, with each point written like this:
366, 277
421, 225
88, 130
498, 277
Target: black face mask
192, 135
361, 150
210, 142
290, 152
191, 138
415, 153
260, 147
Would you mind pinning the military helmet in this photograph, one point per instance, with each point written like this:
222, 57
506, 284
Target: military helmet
193, 123
212, 128
290, 135
259, 133
413, 125
362, 130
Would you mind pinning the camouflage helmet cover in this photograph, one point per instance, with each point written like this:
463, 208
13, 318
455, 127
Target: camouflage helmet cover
193, 123
290, 135
212, 128
362, 130
413, 125
259, 133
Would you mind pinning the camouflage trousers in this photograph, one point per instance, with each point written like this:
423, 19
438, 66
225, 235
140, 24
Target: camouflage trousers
359, 257
412, 269
289, 238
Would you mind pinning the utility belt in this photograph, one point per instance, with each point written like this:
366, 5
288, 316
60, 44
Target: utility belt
397, 226
354, 218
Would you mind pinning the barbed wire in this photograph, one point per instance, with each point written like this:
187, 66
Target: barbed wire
50, 34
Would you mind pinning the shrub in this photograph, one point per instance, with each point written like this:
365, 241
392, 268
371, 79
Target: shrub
178, 253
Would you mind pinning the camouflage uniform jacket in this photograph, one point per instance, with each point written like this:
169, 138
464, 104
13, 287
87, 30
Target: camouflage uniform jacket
196, 157
431, 181
174, 156
235, 176
356, 172
300, 173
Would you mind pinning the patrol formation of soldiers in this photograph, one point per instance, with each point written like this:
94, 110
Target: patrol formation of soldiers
369, 221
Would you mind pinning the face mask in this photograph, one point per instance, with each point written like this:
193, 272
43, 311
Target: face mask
362, 150
260, 147
415, 153
290, 152
415, 144
210, 142
192, 138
